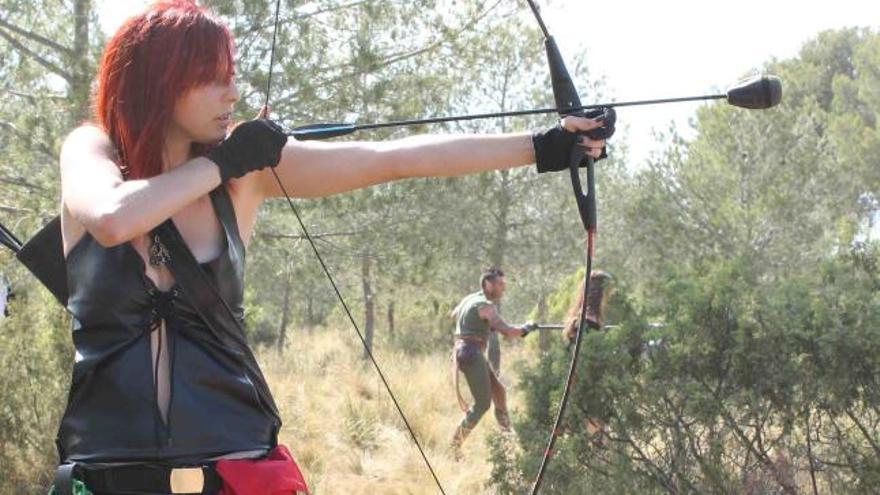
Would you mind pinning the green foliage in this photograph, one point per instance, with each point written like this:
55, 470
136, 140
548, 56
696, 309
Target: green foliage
35, 360
44, 73
744, 355
742, 349
724, 392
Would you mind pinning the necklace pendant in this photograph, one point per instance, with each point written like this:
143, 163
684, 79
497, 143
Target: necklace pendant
159, 255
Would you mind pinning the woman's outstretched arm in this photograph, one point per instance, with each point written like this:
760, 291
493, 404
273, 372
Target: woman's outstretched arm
314, 169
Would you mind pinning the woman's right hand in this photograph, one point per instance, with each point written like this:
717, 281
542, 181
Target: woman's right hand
252, 145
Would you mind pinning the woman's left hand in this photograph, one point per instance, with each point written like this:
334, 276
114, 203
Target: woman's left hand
580, 126
553, 146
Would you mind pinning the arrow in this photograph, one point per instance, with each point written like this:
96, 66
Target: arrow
755, 93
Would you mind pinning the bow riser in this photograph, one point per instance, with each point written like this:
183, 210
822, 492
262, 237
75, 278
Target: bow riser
564, 92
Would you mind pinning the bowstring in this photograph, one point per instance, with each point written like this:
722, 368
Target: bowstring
320, 258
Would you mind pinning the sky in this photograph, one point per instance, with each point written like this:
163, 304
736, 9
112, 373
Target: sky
654, 49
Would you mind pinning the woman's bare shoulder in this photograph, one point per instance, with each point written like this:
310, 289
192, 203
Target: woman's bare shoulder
88, 136
89, 149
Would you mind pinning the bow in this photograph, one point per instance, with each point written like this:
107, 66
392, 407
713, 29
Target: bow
758, 93
566, 96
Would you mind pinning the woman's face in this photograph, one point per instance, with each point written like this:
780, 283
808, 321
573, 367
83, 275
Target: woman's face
204, 113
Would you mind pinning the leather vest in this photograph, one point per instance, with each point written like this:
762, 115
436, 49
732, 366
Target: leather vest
112, 412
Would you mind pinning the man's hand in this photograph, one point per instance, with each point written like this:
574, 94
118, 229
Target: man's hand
528, 328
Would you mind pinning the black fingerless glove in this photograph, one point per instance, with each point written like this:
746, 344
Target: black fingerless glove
553, 146
252, 145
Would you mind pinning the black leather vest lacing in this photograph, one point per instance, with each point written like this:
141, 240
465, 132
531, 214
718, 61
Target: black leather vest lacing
112, 413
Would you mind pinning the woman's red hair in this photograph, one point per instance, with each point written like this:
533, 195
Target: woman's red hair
151, 61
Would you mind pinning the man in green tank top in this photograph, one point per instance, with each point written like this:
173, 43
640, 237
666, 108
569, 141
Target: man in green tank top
476, 317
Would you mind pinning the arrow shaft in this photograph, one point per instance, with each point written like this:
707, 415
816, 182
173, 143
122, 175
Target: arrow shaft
347, 129
549, 327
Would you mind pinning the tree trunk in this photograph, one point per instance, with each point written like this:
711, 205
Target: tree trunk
391, 319
497, 253
543, 336
369, 314
285, 315
310, 312
79, 64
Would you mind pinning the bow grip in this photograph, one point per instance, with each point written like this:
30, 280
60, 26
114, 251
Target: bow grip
586, 202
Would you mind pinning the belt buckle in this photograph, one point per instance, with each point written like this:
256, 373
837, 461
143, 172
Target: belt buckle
187, 480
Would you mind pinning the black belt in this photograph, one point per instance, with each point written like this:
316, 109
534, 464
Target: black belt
144, 479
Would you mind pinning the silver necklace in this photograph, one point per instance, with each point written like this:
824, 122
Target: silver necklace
159, 255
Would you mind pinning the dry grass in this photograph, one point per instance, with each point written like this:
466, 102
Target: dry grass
343, 429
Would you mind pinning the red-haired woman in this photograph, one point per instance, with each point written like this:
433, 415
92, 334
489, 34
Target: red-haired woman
159, 402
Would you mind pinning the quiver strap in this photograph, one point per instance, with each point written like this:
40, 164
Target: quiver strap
213, 309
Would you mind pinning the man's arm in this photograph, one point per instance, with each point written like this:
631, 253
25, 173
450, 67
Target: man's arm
490, 314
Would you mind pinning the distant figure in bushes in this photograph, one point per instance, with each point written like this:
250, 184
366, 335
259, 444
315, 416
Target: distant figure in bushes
600, 282
597, 300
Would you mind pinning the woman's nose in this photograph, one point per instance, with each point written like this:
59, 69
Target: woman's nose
234, 94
